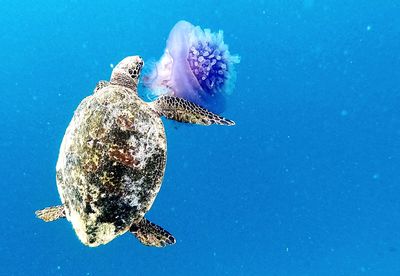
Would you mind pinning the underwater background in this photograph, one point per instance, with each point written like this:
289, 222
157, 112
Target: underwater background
306, 183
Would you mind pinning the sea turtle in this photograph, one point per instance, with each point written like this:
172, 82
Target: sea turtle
112, 159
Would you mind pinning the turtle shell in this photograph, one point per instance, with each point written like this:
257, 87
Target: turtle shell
111, 164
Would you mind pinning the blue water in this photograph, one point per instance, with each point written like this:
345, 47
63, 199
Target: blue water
306, 183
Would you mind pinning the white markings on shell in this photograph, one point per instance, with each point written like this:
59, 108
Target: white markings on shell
133, 189
146, 146
107, 230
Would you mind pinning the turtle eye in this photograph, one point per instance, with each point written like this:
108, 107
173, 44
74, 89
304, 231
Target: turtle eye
138, 65
140, 61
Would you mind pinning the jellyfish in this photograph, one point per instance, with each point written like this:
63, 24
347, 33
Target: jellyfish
196, 66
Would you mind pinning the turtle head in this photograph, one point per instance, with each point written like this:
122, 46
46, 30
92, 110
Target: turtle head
127, 72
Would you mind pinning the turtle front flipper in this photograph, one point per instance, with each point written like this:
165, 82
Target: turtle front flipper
187, 112
151, 234
51, 213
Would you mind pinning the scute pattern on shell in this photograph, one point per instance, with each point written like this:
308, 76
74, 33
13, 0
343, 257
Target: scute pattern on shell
111, 164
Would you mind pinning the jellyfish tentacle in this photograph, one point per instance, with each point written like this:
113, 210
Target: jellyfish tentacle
184, 111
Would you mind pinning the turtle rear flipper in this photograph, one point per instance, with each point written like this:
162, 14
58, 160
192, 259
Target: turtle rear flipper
151, 234
187, 112
51, 213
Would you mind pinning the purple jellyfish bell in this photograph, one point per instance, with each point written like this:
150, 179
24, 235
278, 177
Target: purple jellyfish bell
196, 66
